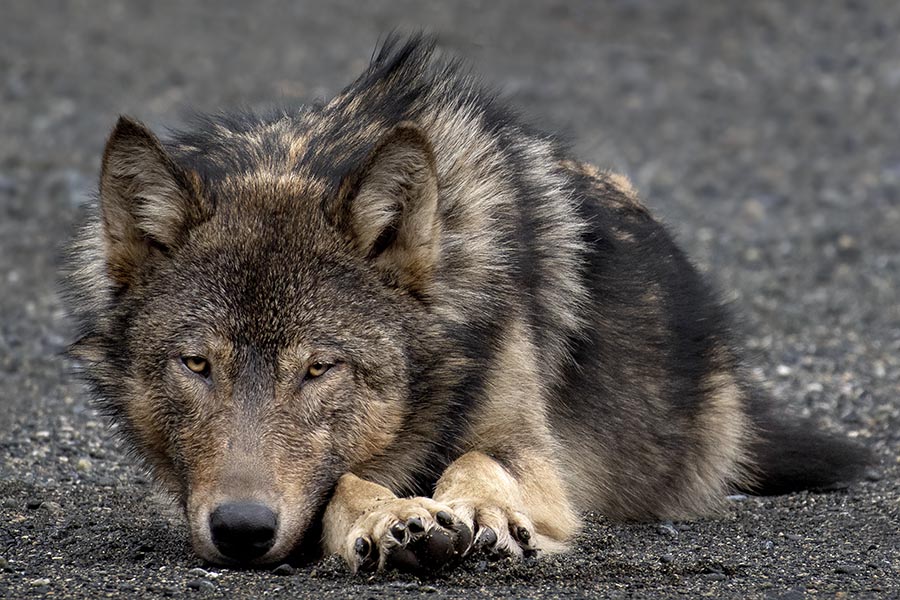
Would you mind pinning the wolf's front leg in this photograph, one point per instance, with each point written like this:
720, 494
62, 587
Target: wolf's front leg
371, 528
518, 509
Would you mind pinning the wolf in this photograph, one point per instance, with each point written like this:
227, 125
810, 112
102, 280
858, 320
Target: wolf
405, 326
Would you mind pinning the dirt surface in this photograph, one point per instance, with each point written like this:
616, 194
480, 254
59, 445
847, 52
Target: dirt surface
765, 133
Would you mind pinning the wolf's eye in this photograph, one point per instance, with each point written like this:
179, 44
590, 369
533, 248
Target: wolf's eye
317, 369
196, 364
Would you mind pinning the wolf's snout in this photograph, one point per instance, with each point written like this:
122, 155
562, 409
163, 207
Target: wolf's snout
243, 531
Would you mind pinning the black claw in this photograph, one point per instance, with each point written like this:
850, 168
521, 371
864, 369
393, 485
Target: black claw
523, 535
444, 518
415, 525
487, 538
463, 539
362, 547
366, 558
398, 530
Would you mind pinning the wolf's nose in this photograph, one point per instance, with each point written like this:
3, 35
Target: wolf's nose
243, 530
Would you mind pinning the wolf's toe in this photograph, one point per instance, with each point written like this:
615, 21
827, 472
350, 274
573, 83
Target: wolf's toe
415, 525
504, 532
366, 559
444, 518
522, 535
400, 532
485, 539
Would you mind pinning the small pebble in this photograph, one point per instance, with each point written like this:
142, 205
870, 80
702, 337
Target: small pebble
33, 504
667, 529
666, 558
428, 589
847, 570
783, 370
42, 581
52, 507
404, 585
283, 569
873, 475
4, 564
716, 576
197, 572
201, 584
83, 465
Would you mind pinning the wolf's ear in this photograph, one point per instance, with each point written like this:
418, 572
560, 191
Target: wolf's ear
393, 207
147, 202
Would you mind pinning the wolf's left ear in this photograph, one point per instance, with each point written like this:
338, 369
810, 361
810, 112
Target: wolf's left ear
147, 202
393, 207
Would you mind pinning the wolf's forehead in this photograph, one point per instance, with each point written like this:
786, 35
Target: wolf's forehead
309, 147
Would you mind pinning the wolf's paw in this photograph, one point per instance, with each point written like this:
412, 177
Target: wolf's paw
502, 531
409, 534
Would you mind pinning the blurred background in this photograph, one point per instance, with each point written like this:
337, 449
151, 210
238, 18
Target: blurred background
764, 133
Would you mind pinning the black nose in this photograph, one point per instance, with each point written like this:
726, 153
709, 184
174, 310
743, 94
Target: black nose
243, 530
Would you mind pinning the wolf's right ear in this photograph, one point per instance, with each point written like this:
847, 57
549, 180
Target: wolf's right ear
147, 202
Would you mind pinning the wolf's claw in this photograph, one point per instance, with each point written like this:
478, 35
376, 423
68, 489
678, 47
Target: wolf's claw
486, 538
364, 556
400, 531
415, 525
523, 535
444, 518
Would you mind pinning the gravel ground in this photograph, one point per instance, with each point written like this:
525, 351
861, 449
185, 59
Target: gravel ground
765, 132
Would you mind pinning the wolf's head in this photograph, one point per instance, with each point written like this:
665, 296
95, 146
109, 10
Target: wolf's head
247, 331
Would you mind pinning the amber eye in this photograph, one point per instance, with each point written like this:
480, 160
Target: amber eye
196, 364
317, 369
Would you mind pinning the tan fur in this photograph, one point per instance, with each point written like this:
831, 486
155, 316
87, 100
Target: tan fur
614, 188
727, 435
